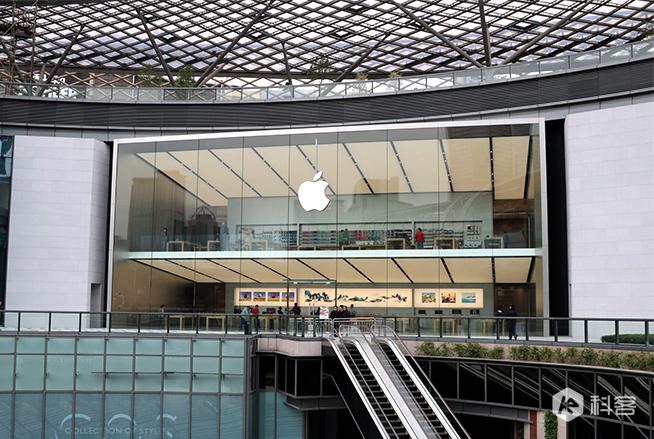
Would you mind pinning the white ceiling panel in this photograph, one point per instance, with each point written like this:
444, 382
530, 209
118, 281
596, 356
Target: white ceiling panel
424, 165
371, 157
233, 157
380, 270
183, 268
336, 269
512, 270
510, 166
261, 177
327, 163
469, 164
470, 270
259, 272
424, 270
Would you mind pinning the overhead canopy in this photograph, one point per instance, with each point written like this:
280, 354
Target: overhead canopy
244, 38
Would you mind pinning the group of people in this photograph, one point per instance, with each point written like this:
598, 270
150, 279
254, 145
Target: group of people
342, 312
511, 324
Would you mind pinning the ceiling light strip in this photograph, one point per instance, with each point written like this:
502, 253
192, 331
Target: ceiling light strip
356, 165
530, 153
194, 271
274, 171
358, 271
271, 269
447, 270
235, 173
233, 271
312, 165
447, 166
162, 270
399, 162
402, 270
311, 268
493, 269
197, 175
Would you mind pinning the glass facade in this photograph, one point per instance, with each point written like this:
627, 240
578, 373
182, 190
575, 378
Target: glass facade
425, 218
6, 159
122, 388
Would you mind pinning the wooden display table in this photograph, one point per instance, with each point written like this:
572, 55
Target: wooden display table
453, 322
493, 242
182, 244
219, 318
445, 243
213, 243
397, 244
351, 247
181, 319
492, 322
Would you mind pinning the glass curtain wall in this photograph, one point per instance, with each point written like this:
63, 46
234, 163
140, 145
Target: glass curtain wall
426, 219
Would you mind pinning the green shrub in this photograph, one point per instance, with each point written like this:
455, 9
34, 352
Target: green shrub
628, 339
496, 353
587, 357
470, 350
443, 350
551, 425
609, 359
427, 349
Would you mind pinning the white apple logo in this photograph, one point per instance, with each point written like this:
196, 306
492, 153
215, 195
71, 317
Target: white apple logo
312, 194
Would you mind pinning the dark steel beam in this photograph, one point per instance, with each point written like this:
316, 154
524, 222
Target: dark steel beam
54, 70
210, 70
155, 46
288, 68
484, 33
439, 35
356, 63
45, 3
548, 31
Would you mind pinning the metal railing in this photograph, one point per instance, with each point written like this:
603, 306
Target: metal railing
545, 330
494, 74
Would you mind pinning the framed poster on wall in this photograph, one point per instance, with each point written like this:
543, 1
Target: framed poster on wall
449, 298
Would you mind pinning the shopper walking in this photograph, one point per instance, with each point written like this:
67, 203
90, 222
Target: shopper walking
420, 238
512, 323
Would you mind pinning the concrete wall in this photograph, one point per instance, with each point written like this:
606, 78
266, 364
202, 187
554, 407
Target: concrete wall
610, 179
58, 223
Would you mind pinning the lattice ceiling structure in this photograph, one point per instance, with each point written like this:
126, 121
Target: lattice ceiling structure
280, 39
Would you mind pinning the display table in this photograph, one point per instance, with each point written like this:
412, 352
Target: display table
213, 245
181, 319
453, 322
182, 244
492, 321
221, 319
445, 243
397, 244
493, 242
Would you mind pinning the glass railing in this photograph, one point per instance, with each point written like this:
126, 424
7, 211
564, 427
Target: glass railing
624, 332
461, 78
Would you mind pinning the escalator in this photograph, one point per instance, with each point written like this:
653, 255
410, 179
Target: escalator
394, 395
384, 411
419, 398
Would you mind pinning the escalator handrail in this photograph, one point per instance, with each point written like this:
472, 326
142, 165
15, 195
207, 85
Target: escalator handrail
447, 412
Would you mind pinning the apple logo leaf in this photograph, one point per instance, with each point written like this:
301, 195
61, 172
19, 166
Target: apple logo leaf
317, 176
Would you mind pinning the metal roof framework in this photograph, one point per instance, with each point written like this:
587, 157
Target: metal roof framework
283, 38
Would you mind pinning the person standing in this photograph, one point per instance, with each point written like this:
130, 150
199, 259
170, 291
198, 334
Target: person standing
497, 324
512, 323
346, 237
255, 313
164, 240
245, 312
505, 240
353, 312
420, 238
161, 315
341, 239
296, 311
224, 237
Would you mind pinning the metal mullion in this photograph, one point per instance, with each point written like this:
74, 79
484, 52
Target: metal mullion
163, 358
131, 435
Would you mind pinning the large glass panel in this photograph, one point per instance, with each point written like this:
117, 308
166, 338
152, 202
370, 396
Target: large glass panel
30, 372
119, 373
148, 347
231, 417
61, 345
232, 348
30, 345
289, 421
206, 374
90, 346
232, 375
176, 416
204, 416
267, 416
60, 372
177, 347
206, 347
5, 414
90, 375
176, 374
7, 345
28, 412
90, 407
147, 414
7, 375
500, 384
120, 346
58, 408
638, 388
526, 387
148, 374
118, 414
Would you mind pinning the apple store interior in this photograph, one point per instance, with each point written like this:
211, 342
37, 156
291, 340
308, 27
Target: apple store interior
426, 218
